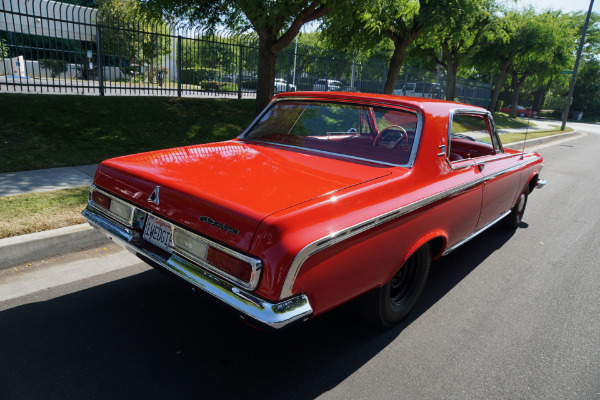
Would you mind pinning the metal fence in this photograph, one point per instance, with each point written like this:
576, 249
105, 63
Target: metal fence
52, 47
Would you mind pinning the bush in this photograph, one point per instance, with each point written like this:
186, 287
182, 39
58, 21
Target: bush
216, 86
194, 76
499, 105
56, 67
3, 48
551, 114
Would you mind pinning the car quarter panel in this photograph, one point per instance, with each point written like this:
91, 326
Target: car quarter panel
429, 198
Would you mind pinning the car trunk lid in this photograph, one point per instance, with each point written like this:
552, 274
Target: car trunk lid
224, 190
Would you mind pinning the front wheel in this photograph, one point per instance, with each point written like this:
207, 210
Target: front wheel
391, 303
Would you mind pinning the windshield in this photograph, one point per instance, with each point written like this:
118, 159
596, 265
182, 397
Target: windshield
361, 131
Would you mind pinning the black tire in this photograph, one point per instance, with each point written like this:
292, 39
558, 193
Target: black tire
390, 304
513, 220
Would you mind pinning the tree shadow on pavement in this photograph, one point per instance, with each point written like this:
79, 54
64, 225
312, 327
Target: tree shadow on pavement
145, 337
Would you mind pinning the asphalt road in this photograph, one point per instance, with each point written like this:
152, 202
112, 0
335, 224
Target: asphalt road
510, 315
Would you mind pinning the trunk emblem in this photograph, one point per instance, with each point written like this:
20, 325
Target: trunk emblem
219, 225
154, 196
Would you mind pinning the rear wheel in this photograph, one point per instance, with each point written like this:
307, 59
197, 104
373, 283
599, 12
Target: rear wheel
513, 220
392, 302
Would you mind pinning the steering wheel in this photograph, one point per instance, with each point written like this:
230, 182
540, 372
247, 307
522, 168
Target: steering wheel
391, 142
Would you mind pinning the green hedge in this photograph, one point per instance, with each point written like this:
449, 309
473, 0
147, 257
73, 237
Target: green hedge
215, 86
193, 76
56, 67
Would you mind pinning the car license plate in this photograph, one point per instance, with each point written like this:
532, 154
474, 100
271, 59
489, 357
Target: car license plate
158, 232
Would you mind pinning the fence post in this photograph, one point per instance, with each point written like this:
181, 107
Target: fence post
239, 80
100, 57
179, 56
327, 76
288, 77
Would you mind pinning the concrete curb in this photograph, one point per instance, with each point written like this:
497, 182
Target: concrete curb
535, 142
40, 245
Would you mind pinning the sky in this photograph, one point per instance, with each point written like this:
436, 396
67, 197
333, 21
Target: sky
564, 5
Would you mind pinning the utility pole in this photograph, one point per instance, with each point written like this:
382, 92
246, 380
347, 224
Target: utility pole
574, 77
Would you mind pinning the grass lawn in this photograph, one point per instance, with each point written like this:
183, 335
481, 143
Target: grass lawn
503, 121
517, 137
45, 131
35, 212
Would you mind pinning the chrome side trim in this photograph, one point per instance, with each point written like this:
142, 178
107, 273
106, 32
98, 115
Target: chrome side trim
347, 233
354, 230
268, 314
451, 249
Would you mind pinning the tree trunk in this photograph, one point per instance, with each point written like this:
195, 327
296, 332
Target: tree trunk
516, 85
500, 81
539, 97
451, 71
395, 65
451, 80
266, 73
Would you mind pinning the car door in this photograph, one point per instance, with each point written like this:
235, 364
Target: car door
476, 139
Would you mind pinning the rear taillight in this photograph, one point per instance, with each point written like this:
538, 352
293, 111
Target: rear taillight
229, 264
115, 208
237, 268
101, 199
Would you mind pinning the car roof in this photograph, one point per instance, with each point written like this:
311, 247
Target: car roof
425, 104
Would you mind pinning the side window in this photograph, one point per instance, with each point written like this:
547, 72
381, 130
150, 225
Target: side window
471, 137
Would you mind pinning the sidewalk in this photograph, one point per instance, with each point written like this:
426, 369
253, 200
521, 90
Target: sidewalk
540, 125
44, 180
36, 246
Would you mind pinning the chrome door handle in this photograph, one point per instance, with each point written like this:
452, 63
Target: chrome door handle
481, 166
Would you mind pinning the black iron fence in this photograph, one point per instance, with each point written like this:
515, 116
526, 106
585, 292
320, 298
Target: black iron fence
52, 47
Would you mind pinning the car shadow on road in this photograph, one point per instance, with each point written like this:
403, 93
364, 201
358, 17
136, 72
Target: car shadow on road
145, 337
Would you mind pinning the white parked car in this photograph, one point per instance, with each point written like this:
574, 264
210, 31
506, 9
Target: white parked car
281, 86
420, 89
323, 85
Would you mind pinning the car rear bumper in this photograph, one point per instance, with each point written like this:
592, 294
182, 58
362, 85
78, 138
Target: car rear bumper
251, 308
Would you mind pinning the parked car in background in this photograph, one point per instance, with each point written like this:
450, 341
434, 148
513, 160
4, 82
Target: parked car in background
521, 111
281, 86
325, 198
420, 89
328, 85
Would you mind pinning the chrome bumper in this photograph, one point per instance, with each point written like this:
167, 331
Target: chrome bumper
264, 313
540, 183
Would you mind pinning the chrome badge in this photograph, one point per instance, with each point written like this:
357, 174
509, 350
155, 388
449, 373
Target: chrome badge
154, 196
227, 229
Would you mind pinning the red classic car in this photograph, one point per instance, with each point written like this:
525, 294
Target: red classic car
521, 111
326, 197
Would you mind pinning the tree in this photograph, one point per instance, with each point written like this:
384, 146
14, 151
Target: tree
276, 24
586, 96
134, 36
399, 21
3, 48
515, 34
465, 23
551, 52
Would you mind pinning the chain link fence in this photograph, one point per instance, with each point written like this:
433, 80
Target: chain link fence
52, 47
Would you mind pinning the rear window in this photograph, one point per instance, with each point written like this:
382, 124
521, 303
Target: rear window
374, 133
